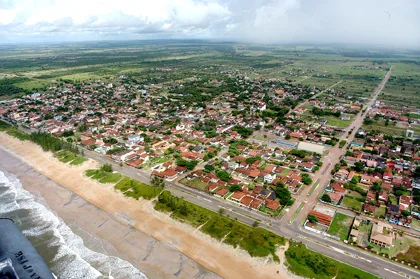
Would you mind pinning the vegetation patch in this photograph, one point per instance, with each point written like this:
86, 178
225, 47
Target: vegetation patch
340, 226
258, 242
135, 189
69, 157
306, 263
351, 203
412, 255
111, 178
194, 183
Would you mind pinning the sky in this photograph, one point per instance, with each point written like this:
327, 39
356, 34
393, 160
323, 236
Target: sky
390, 23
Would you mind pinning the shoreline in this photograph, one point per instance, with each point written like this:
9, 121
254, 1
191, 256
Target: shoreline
100, 231
220, 258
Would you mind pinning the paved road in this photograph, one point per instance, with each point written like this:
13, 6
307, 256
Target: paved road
316, 95
333, 249
333, 157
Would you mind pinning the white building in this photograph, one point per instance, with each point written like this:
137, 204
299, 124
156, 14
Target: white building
311, 147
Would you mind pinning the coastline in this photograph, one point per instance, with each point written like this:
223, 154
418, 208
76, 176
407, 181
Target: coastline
209, 253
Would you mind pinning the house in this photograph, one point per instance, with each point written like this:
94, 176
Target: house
338, 187
322, 217
246, 201
237, 196
345, 117
354, 234
168, 174
370, 196
269, 178
366, 179
341, 174
256, 204
335, 197
272, 205
393, 210
88, 142
416, 183
383, 196
387, 176
222, 192
351, 175
382, 235
212, 187
308, 166
405, 201
368, 208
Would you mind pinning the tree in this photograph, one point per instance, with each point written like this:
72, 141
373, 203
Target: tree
209, 167
406, 213
157, 182
417, 172
191, 164
82, 128
399, 193
355, 179
181, 162
284, 195
255, 224
359, 166
326, 198
67, 133
251, 160
312, 218
244, 132
376, 186
221, 211
234, 188
223, 176
106, 168
306, 179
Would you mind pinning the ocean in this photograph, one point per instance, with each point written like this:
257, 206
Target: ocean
63, 251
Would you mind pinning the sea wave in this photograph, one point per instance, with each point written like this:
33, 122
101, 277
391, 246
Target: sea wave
63, 251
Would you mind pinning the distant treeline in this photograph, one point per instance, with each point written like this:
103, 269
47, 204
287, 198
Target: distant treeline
7, 86
370, 54
359, 77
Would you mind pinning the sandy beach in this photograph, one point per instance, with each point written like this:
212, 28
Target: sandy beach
132, 230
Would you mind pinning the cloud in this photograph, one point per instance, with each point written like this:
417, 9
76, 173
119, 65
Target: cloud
260, 21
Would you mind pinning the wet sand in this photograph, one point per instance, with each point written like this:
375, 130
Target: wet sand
132, 230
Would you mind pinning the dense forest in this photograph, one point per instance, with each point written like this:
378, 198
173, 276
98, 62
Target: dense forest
8, 86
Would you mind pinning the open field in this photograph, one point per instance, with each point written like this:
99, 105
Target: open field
337, 122
308, 264
340, 226
194, 183
135, 189
364, 230
106, 61
393, 129
380, 212
351, 203
403, 87
70, 157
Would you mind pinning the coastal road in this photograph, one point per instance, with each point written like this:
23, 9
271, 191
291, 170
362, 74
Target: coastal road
336, 250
